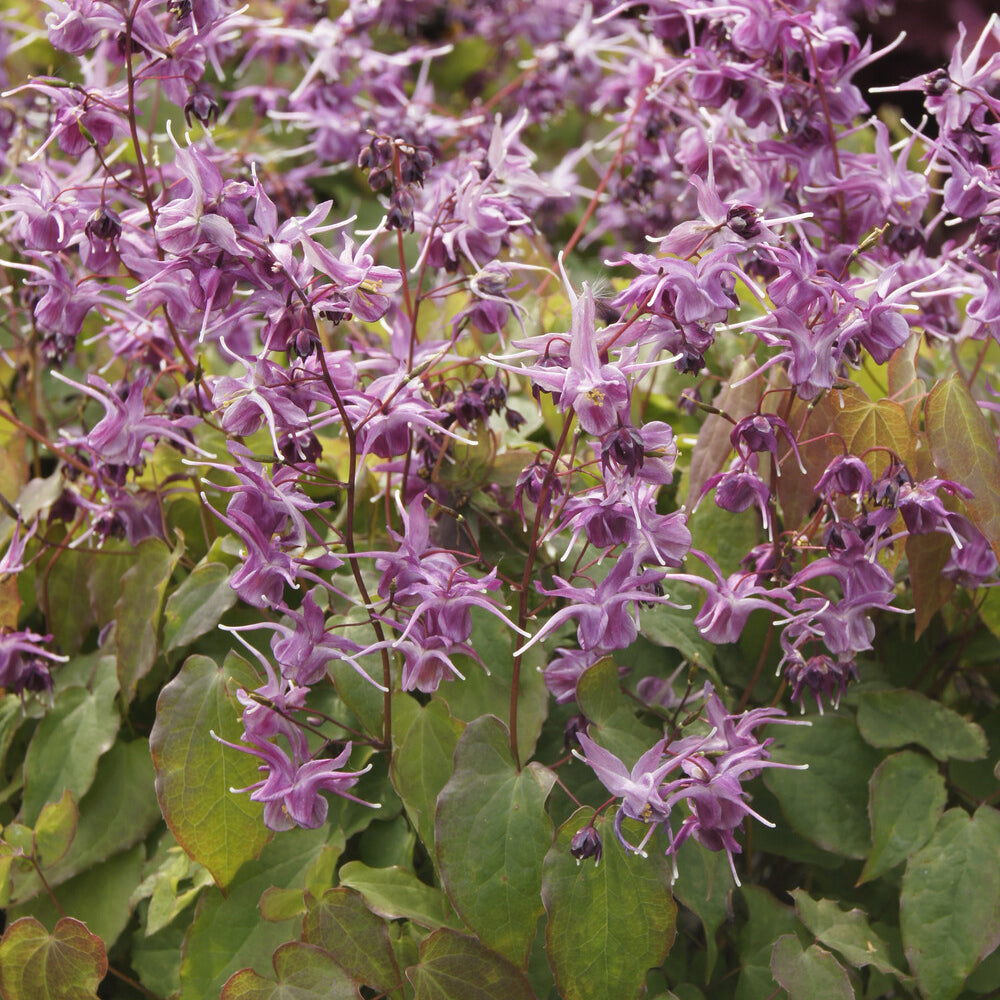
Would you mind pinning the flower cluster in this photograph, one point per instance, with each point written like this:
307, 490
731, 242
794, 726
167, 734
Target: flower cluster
711, 771
430, 415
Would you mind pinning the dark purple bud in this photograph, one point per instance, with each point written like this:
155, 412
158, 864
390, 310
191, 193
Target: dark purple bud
988, 233
842, 537
104, 225
586, 843
202, 106
380, 178
400, 214
744, 220
623, 446
303, 343
469, 407
885, 490
529, 486
514, 419
34, 676
382, 150
575, 725
937, 83
494, 395
770, 562
903, 239
300, 445
821, 675
757, 433
414, 166
691, 361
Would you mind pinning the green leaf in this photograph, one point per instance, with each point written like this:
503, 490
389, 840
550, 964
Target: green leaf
303, 973
489, 694
106, 579
55, 829
67, 964
812, 974
835, 787
724, 535
495, 877
871, 428
422, 763
117, 812
847, 933
671, 627
67, 745
163, 887
927, 555
282, 904
608, 923
59, 588
906, 799
227, 933
395, 893
342, 925
194, 772
456, 967
197, 605
989, 611
704, 885
964, 449
950, 901
11, 717
895, 718
157, 959
139, 609
611, 714
99, 896
766, 922
360, 696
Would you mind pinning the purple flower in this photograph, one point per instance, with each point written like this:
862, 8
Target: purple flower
291, 787
820, 675
598, 393
126, 429
639, 789
12, 560
729, 602
22, 661
604, 620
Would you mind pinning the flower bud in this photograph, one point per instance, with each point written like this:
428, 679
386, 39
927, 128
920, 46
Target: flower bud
104, 225
202, 106
575, 725
586, 843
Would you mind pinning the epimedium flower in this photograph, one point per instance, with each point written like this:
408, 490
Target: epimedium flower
291, 787
574, 368
713, 766
602, 612
598, 393
23, 665
729, 601
12, 560
124, 432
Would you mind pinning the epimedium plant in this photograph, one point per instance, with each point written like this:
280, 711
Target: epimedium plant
442, 442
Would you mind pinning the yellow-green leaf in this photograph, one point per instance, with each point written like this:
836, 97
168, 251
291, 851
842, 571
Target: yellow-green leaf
965, 450
194, 772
